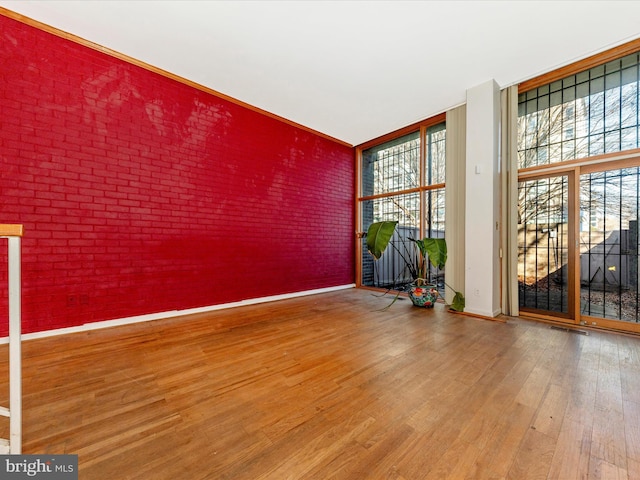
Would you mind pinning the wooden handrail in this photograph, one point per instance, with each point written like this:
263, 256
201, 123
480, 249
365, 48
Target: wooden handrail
11, 230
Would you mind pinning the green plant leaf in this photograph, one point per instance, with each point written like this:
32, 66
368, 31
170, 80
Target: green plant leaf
458, 302
436, 249
378, 236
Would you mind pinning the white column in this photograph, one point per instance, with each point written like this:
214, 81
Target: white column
482, 202
15, 348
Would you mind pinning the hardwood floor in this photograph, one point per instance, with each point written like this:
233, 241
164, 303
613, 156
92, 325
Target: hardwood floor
326, 387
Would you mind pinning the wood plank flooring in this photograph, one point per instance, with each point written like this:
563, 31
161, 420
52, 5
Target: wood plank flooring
328, 387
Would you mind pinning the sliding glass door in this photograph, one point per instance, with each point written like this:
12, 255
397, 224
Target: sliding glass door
578, 245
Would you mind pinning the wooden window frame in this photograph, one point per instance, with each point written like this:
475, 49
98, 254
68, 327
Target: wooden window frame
581, 65
420, 127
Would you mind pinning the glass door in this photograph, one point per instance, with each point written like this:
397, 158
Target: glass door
545, 266
578, 245
609, 247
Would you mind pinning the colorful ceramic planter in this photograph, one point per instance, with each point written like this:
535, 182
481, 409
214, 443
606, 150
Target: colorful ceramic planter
423, 295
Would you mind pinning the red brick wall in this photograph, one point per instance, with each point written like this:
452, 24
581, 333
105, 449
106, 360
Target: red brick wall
140, 194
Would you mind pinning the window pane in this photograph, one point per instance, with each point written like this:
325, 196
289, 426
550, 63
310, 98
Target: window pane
436, 139
609, 244
434, 213
392, 166
543, 246
404, 209
390, 270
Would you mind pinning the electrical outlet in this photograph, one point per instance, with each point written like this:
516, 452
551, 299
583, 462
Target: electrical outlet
72, 300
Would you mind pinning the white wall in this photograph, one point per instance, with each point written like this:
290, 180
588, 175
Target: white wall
482, 205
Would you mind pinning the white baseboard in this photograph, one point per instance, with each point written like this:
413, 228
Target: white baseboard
172, 313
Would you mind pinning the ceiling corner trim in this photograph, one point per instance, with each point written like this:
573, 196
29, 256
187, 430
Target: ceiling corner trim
159, 71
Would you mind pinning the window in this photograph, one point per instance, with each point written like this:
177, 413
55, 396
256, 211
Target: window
402, 179
583, 115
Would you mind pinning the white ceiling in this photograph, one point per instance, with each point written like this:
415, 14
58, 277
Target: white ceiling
353, 70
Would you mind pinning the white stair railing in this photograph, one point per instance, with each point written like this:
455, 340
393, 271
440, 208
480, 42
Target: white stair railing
13, 445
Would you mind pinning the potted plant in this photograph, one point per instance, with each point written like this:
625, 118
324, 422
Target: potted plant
421, 292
